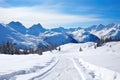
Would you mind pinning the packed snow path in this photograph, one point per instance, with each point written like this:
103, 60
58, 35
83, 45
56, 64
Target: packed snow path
69, 68
63, 70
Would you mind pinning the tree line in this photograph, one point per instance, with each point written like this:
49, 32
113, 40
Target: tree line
8, 48
102, 40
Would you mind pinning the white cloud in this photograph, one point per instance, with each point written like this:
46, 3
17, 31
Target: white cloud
44, 15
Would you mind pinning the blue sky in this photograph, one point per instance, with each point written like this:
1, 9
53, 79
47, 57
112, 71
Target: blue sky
55, 13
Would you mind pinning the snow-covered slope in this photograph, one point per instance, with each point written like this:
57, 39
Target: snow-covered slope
110, 30
57, 38
101, 63
84, 36
9, 34
95, 28
36, 29
113, 31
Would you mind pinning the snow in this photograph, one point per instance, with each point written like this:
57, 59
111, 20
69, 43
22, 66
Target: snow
110, 30
101, 63
84, 36
35, 30
22, 64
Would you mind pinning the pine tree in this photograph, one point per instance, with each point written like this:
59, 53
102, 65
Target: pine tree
80, 49
59, 49
39, 51
95, 46
31, 50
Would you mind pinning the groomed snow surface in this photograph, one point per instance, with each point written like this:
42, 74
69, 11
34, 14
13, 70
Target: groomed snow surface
102, 63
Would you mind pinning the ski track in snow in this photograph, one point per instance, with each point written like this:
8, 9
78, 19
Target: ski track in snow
59, 68
44, 73
63, 70
76, 65
12, 76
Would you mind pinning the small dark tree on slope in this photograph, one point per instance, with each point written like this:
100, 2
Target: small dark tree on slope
59, 49
100, 42
80, 49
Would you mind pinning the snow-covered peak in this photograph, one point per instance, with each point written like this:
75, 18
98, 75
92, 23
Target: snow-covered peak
37, 26
110, 25
59, 29
117, 26
36, 29
18, 27
110, 30
95, 28
65, 30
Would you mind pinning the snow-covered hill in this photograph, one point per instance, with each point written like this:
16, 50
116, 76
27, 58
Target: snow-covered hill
101, 63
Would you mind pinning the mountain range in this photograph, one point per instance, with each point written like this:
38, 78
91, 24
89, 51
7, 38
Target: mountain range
35, 36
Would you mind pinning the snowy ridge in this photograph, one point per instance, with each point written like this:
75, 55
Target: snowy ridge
110, 30
83, 36
35, 30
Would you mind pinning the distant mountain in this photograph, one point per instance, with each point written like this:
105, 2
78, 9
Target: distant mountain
59, 29
95, 28
4, 34
20, 40
18, 27
63, 30
37, 36
110, 30
9, 34
57, 38
36, 29
84, 36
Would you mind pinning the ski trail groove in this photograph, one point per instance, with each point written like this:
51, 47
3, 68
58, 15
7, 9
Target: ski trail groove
33, 70
78, 69
63, 70
44, 73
